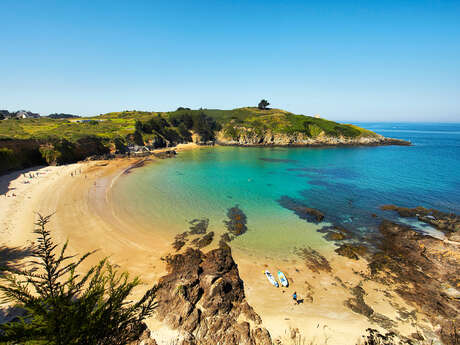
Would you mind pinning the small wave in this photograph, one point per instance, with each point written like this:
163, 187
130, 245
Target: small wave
416, 131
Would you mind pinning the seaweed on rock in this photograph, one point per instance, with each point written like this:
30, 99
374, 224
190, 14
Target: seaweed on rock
236, 223
314, 260
198, 226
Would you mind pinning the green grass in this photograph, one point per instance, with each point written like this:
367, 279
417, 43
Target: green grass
120, 124
71, 130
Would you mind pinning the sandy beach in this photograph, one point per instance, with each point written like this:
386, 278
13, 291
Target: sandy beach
79, 197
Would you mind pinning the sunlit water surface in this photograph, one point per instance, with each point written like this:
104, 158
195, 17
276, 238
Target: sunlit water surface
348, 184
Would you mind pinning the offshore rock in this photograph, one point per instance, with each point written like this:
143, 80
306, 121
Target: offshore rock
202, 297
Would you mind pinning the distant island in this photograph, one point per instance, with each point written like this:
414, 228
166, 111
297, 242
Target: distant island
26, 139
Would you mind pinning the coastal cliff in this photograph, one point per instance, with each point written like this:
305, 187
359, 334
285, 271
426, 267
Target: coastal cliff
249, 137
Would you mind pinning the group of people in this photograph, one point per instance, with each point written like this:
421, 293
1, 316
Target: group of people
75, 173
31, 175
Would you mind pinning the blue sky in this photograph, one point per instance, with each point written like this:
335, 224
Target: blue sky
345, 60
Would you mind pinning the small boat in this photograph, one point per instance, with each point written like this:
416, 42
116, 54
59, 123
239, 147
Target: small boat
270, 278
282, 278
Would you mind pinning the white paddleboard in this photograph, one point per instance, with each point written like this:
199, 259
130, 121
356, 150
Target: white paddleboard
282, 278
270, 278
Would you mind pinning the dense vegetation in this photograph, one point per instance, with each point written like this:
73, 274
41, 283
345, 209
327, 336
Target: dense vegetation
63, 306
61, 139
62, 116
177, 128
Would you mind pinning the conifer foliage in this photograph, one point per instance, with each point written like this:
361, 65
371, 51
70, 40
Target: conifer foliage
63, 306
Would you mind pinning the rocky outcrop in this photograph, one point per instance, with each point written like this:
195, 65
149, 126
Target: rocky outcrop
424, 271
249, 137
203, 298
449, 223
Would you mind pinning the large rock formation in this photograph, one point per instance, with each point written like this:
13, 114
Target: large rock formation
249, 137
202, 297
424, 271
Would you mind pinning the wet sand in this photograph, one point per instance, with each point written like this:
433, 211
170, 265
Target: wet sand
84, 215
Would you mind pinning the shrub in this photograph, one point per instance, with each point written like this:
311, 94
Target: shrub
50, 154
120, 146
314, 130
58, 152
62, 306
184, 132
8, 160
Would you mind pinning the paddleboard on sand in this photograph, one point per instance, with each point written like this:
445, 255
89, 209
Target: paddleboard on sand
270, 278
282, 278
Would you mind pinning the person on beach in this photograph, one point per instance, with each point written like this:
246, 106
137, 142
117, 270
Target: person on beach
294, 296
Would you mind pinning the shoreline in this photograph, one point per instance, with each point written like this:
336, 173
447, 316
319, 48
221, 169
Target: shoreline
84, 215
385, 142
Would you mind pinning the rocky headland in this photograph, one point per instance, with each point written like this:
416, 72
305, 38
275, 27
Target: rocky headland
249, 137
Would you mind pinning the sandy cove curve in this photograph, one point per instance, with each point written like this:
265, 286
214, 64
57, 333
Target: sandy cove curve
79, 195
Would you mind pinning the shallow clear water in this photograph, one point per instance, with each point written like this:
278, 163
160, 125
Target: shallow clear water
348, 184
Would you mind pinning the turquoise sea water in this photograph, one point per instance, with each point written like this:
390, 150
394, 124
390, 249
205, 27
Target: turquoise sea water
348, 184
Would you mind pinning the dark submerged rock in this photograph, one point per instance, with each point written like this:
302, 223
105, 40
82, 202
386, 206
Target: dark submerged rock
301, 210
351, 251
236, 223
314, 260
359, 306
335, 233
204, 241
198, 226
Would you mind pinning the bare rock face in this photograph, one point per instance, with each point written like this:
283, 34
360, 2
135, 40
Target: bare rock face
424, 271
249, 137
202, 296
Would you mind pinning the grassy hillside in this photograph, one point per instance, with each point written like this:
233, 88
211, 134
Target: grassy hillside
121, 124
72, 130
280, 121
59, 141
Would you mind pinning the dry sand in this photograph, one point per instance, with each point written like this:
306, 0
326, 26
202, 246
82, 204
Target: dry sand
83, 214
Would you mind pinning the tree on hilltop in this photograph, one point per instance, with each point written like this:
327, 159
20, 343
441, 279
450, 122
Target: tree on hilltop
263, 104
